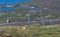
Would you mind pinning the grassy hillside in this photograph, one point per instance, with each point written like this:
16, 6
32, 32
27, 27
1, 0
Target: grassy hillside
34, 31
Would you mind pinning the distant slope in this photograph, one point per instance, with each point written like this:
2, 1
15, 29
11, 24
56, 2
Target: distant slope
53, 5
20, 12
50, 3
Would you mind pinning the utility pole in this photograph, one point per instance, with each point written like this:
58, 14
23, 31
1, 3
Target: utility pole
28, 22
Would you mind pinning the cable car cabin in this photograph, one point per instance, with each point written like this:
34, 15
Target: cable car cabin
8, 20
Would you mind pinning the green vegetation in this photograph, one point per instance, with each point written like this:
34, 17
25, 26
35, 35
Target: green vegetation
20, 14
34, 31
